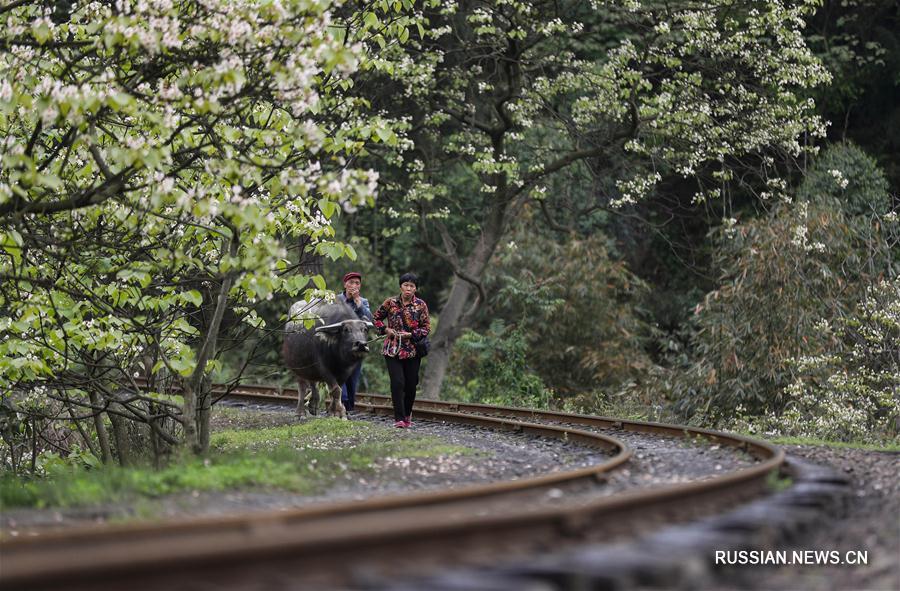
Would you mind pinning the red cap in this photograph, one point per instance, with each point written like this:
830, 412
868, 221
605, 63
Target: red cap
352, 275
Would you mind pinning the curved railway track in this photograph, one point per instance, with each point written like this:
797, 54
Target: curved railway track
308, 546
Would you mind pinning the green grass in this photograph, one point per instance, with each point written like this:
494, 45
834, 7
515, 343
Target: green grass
777, 482
836, 444
303, 458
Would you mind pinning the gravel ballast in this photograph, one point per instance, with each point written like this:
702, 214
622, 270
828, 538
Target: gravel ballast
869, 520
498, 456
870, 523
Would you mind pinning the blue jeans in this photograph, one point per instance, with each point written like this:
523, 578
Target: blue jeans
348, 390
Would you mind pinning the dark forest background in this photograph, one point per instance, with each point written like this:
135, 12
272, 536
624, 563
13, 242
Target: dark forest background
713, 313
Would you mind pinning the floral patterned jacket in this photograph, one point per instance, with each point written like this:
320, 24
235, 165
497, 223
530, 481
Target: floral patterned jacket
412, 317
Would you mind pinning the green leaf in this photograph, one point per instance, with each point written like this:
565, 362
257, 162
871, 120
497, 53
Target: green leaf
386, 135
193, 297
118, 100
327, 207
182, 365
11, 242
41, 33
350, 252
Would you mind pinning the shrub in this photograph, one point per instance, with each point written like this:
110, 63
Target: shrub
493, 369
578, 309
850, 391
780, 275
848, 178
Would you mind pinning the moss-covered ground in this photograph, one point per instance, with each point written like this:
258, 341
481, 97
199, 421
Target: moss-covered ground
300, 458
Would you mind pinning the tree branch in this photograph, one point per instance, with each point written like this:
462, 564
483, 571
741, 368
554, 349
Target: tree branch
552, 223
457, 270
93, 196
95, 152
14, 5
462, 118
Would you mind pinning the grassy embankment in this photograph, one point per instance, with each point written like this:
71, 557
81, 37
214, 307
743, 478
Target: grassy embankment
884, 446
302, 458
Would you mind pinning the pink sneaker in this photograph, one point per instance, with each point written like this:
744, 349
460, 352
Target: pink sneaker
408, 421
401, 424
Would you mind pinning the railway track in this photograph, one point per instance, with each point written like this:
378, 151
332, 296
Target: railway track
307, 546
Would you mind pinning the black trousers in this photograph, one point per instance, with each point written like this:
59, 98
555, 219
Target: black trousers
404, 379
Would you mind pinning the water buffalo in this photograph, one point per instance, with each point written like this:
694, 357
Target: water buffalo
328, 352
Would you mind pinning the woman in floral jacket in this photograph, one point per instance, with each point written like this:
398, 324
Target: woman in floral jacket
404, 319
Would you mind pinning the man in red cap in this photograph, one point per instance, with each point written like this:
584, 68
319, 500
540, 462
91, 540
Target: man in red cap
360, 305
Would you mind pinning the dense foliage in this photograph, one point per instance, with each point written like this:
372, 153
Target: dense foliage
504, 96
806, 262
158, 159
647, 202
850, 390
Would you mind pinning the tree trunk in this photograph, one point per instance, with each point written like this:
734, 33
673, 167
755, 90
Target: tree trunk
34, 437
455, 316
196, 392
205, 402
97, 407
448, 330
189, 417
120, 431
157, 448
102, 434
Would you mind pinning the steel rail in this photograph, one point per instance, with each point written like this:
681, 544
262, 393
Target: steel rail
310, 543
49, 556
758, 448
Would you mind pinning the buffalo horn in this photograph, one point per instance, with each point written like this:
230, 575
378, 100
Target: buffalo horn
328, 327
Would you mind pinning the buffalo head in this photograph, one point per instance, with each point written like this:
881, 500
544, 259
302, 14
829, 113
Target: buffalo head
349, 336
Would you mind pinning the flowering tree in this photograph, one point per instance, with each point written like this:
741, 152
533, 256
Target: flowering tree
793, 288
851, 391
156, 156
508, 94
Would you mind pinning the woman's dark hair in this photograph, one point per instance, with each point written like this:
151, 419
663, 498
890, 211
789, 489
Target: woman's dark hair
411, 277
